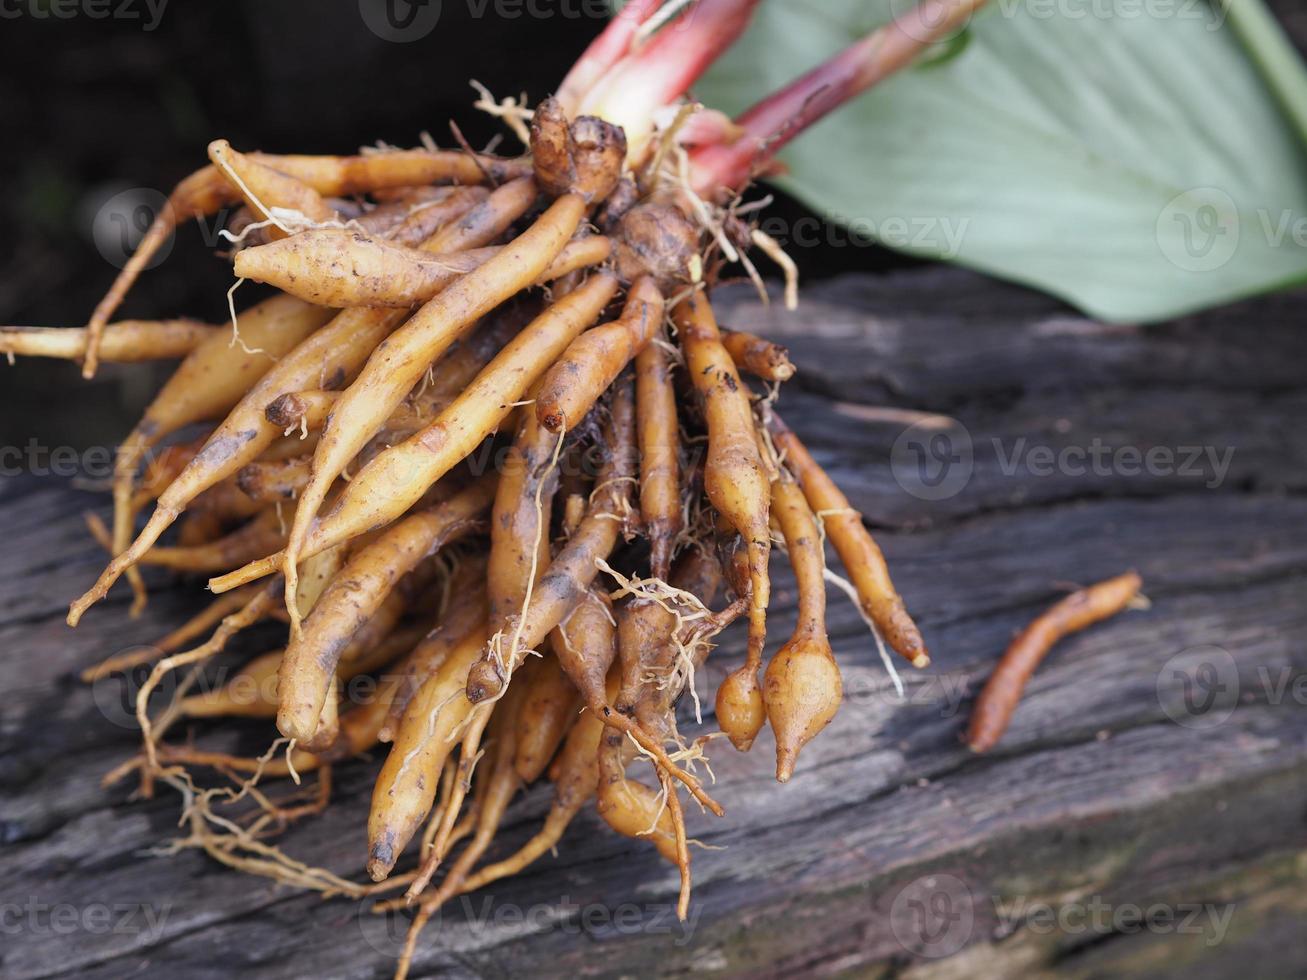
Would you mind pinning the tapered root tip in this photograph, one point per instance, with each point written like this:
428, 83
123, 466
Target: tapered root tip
785, 763
78, 609
742, 742
244, 575
483, 681
96, 592
220, 151
292, 727
381, 859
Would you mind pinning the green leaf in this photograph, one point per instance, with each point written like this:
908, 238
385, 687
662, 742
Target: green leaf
1129, 159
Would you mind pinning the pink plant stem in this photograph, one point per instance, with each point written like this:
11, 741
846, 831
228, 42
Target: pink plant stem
610, 47
663, 70
775, 121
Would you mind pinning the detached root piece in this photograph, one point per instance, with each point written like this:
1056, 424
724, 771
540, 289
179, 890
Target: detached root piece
737, 486
858, 551
997, 702
802, 687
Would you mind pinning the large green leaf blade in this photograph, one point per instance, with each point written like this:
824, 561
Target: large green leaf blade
1134, 165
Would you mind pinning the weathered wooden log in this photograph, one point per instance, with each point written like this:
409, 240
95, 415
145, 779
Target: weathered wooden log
1117, 829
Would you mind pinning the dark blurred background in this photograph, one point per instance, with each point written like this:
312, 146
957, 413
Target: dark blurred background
100, 97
